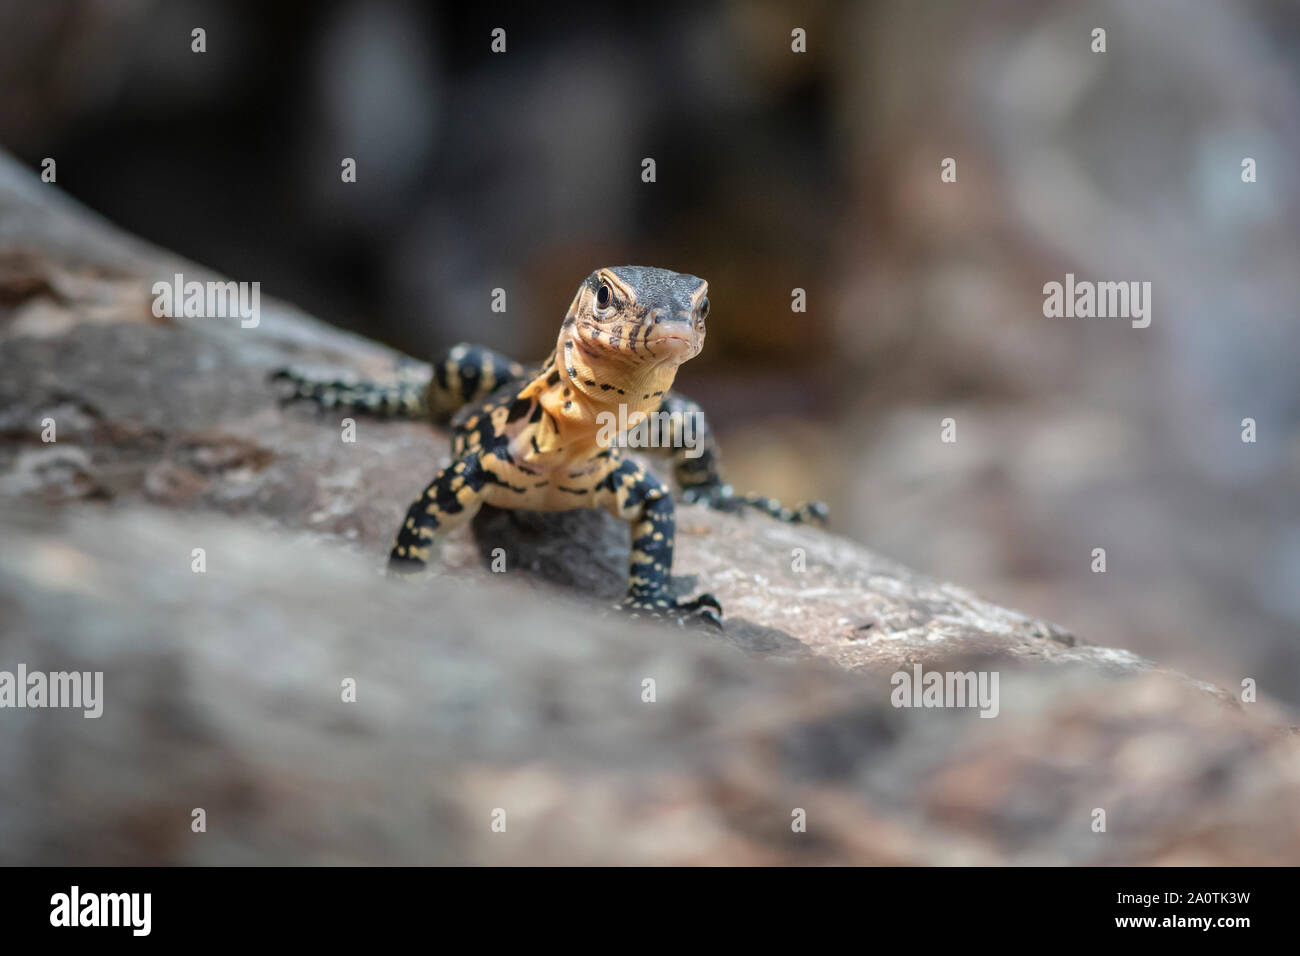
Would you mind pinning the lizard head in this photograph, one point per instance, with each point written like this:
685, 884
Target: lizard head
632, 326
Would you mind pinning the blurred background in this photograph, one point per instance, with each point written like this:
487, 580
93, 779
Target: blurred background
779, 170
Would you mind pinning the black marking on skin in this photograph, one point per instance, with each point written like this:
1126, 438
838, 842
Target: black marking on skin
494, 479
572, 491
489, 477
541, 484
518, 409
554, 377
588, 382
533, 439
536, 416
614, 480
492, 443
554, 424
469, 375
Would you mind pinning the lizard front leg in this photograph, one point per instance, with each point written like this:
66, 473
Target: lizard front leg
646, 503
450, 500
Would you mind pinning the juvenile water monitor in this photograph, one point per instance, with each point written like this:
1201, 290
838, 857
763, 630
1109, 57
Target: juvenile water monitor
541, 438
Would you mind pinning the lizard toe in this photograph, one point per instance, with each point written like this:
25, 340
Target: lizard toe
704, 609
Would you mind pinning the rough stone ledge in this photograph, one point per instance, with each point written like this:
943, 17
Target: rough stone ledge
479, 690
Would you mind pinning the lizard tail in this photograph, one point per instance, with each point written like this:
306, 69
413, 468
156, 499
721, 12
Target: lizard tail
398, 400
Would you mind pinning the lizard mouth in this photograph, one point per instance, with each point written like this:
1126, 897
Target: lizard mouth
666, 346
684, 339
594, 344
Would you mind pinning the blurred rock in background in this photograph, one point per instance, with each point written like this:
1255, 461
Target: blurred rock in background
778, 170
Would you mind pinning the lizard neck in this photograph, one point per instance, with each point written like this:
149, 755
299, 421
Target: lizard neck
583, 390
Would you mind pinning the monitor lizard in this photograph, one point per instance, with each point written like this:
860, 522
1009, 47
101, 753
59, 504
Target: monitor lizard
539, 438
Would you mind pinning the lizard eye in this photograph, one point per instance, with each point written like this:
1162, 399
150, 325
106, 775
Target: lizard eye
604, 296
704, 309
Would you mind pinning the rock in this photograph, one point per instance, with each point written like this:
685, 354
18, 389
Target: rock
519, 691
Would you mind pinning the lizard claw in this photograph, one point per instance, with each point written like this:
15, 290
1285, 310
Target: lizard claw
404, 568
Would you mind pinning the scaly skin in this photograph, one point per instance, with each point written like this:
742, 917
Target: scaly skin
533, 438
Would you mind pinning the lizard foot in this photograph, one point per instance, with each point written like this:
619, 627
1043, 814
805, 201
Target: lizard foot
704, 609
405, 568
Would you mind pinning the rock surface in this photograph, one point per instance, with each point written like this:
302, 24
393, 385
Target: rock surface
518, 691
